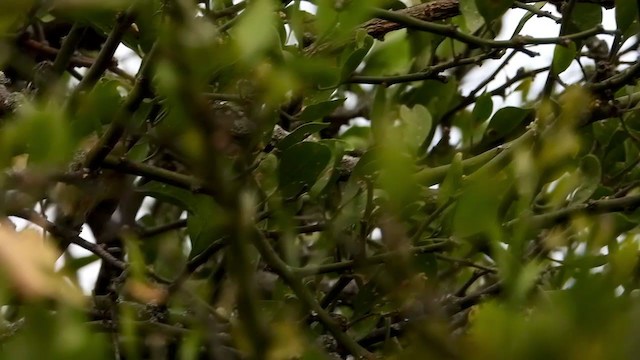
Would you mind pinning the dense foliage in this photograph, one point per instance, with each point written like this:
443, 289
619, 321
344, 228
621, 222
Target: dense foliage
313, 179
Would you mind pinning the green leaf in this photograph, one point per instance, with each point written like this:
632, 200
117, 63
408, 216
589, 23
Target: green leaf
452, 181
590, 176
357, 137
417, 124
205, 219
205, 223
74, 264
367, 166
504, 121
472, 16
299, 134
483, 108
355, 57
476, 210
563, 56
328, 175
44, 134
626, 14
586, 16
317, 111
167, 193
389, 56
97, 108
266, 174
254, 31
300, 167
379, 113
493, 9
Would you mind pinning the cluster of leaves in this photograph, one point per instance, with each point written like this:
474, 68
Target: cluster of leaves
239, 211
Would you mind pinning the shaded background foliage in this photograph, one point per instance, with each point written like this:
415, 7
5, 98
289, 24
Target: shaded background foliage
236, 216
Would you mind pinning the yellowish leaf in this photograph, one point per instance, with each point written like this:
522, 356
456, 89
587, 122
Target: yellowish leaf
28, 261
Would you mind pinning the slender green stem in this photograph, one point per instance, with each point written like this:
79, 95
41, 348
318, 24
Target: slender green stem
624, 204
430, 73
431, 176
349, 265
71, 42
103, 60
452, 32
133, 101
155, 173
293, 280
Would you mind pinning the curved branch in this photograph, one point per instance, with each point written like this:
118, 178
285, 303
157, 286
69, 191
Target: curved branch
439, 10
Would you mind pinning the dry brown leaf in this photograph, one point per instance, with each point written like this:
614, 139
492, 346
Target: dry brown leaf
146, 293
28, 261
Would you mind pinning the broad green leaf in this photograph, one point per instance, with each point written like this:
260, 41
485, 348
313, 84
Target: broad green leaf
452, 181
396, 172
389, 56
98, 107
266, 174
417, 124
504, 121
624, 261
603, 131
436, 96
379, 113
493, 9
317, 111
357, 137
299, 134
205, 223
586, 16
328, 175
42, 133
367, 166
626, 14
254, 31
483, 108
563, 56
585, 262
167, 193
476, 210
205, 219
355, 57
524, 87
77, 263
527, 278
590, 174
300, 167
471, 15
363, 327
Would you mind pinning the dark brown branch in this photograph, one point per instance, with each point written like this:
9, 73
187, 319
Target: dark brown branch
51, 52
68, 235
161, 229
349, 265
439, 10
593, 207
